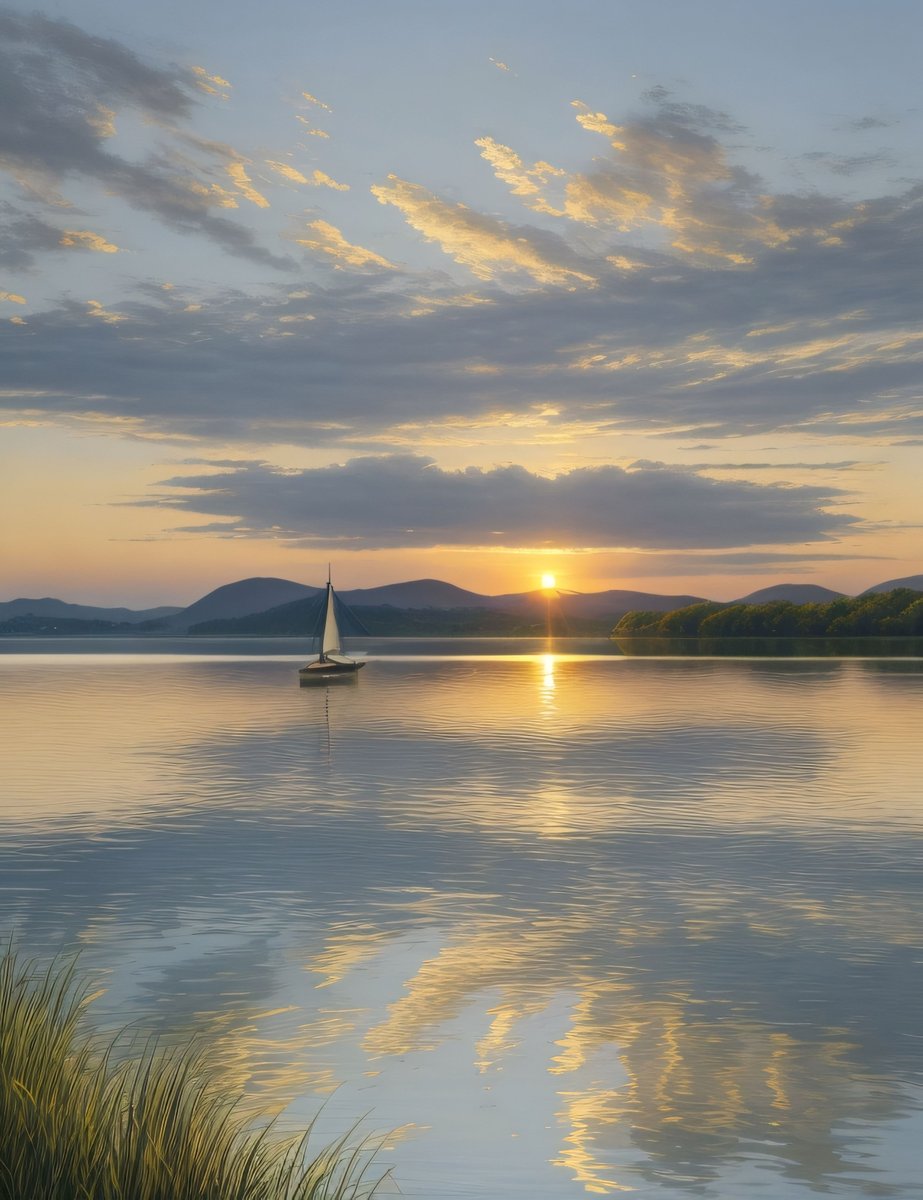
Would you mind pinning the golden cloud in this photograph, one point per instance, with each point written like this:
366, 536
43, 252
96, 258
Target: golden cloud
317, 179
87, 240
596, 122
484, 245
211, 84
12, 298
243, 183
314, 100
521, 180
95, 309
320, 179
286, 171
309, 128
330, 240
661, 173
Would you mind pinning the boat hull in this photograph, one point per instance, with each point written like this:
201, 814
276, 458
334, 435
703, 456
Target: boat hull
328, 672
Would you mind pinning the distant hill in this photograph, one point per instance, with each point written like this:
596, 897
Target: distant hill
47, 606
258, 597
433, 593
606, 604
418, 593
256, 605
915, 582
239, 600
797, 593
583, 604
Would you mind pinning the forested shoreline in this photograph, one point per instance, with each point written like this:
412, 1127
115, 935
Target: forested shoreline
898, 613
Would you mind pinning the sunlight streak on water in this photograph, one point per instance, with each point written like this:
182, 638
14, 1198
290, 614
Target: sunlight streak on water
578, 923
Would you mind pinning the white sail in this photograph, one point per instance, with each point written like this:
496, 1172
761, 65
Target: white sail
331, 640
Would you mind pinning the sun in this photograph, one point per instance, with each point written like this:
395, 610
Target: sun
548, 582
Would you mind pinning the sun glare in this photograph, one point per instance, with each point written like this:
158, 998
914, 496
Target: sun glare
547, 582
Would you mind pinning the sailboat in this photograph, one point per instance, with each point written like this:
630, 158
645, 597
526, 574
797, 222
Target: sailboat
332, 664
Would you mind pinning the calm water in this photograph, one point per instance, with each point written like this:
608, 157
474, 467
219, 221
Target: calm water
568, 925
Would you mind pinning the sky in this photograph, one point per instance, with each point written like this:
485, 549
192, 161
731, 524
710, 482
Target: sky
625, 291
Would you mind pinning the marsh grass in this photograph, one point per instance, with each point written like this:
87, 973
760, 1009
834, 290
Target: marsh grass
81, 1120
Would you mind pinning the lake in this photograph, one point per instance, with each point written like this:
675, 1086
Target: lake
567, 924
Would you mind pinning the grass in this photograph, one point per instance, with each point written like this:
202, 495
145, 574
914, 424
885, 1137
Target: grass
80, 1121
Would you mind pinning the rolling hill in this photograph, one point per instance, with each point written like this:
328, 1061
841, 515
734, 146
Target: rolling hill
797, 593
238, 599
47, 606
915, 582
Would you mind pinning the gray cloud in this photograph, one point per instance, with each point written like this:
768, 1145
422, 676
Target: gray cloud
56, 83
818, 330
843, 465
823, 337
23, 236
863, 124
406, 500
850, 164
749, 562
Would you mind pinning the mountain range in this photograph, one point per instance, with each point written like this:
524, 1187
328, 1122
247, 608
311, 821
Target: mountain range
250, 597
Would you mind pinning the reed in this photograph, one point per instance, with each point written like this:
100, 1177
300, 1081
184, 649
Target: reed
80, 1121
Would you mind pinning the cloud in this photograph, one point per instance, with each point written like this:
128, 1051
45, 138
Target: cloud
87, 240
666, 174
746, 562
814, 334
103, 121
847, 464
60, 89
849, 164
11, 298
317, 103
24, 237
287, 172
406, 500
100, 313
317, 179
320, 179
521, 180
594, 122
329, 240
210, 84
822, 339
863, 124
244, 185
310, 128
486, 245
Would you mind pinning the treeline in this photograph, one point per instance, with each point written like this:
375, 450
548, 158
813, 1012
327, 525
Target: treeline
29, 625
885, 614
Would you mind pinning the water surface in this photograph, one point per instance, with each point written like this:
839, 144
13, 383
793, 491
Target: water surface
569, 925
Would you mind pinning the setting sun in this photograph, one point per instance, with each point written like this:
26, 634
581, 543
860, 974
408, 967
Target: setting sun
547, 581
